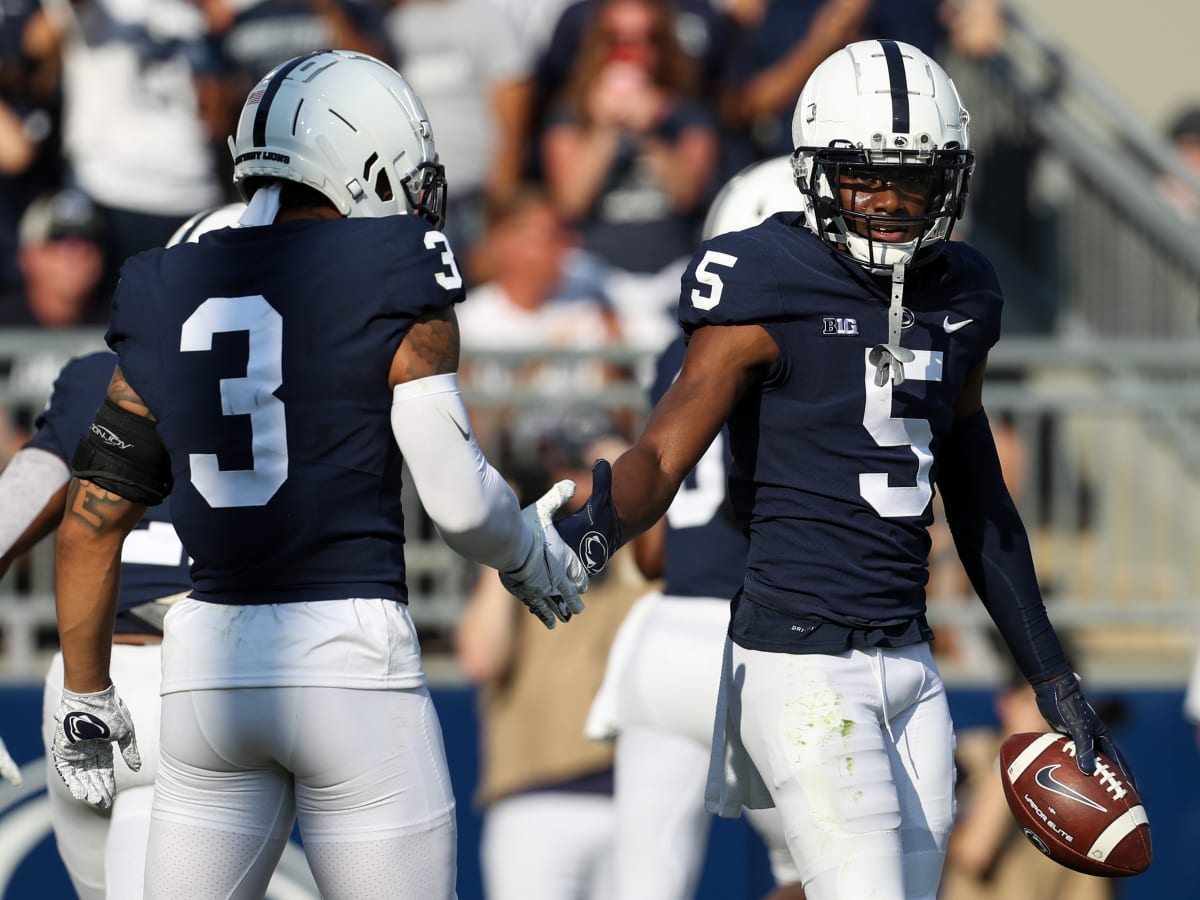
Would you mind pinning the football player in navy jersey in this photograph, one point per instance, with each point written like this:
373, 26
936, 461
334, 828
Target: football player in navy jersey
845, 344
665, 666
104, 851
272, 378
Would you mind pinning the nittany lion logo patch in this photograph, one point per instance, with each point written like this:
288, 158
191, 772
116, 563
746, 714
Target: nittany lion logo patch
593, 552
82, 726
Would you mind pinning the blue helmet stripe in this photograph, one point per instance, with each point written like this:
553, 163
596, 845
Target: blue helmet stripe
896, 73
264, 106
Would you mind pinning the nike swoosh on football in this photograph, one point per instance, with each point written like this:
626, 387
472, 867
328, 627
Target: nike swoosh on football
1045, 777
952, 327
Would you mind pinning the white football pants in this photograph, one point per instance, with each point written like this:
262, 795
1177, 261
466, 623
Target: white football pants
666, 701
548, 845
104, 851
857, 751
364, 770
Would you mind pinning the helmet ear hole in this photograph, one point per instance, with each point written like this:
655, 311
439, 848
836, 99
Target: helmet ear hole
383, 186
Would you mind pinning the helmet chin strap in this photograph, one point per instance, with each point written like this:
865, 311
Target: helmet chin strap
889, 359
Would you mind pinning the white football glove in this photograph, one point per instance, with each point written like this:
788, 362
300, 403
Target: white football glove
85, 727
551, 579
9, 770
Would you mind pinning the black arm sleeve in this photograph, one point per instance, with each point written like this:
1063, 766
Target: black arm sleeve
994, 548
123, 453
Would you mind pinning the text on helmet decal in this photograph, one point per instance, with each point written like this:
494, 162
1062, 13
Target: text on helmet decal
267, 155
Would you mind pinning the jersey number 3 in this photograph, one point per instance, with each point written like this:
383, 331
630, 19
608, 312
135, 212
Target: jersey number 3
251, 395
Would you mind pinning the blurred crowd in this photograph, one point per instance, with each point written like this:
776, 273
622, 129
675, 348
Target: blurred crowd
622, 117
584, 141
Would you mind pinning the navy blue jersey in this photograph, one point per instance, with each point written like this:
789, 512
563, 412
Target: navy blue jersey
705, 553
832, 475
264, 354
153, 563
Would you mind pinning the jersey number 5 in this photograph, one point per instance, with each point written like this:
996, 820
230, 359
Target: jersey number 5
705, 275
900, 501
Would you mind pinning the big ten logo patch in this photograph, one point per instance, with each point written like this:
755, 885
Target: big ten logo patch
839, 325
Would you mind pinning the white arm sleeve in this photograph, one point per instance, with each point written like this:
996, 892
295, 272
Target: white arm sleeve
26, 486
474, 509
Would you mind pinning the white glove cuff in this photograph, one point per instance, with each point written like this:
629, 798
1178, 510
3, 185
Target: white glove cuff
90, 697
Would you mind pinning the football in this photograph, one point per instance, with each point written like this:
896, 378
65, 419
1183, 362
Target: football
1094, 824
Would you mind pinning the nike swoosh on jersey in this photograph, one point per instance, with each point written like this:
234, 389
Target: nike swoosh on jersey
952, 327
1045, 777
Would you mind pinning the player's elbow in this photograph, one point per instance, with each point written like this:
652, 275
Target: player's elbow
75, 539
81, 536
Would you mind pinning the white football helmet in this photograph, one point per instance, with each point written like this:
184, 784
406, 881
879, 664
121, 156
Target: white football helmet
882, 106
205, 221
346, 125
756, 192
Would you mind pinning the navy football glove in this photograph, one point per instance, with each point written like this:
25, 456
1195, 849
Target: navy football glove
593, 532
1062, 704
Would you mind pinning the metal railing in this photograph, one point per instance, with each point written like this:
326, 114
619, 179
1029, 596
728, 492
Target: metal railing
1113, 511
1069, 196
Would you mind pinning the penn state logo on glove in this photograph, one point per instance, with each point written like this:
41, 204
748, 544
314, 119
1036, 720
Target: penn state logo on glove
82, 726
593, 552
593, 532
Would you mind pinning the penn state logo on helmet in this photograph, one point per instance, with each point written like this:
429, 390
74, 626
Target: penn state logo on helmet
82, 726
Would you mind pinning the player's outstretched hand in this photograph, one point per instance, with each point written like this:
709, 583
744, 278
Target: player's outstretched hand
9, 770
551, 579
1063, 705
594, 532
86, 725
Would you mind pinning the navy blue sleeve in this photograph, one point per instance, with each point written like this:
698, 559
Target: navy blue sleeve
994, 548
972, 276
134, 311
78, 391
729, 282
424, 275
